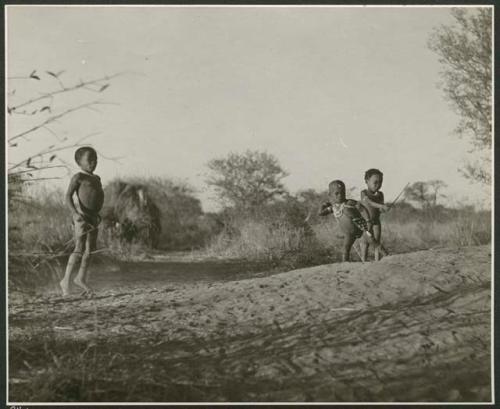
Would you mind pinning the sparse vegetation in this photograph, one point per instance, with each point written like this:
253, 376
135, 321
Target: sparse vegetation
279, 233
276, 234
40, 236
139, 214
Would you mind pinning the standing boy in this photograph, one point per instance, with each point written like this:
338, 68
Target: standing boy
87, 188
373, 199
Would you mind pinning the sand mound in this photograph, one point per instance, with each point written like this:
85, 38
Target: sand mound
412, 327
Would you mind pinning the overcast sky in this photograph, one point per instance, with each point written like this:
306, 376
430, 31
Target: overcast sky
329, 91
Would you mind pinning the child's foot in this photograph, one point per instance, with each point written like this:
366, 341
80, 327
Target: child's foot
64, 284
82, 285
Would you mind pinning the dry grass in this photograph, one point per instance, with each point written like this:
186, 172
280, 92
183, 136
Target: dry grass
260, 241
97, 371
40, 234
465, 230
40, 224
279, 244
263, 240
40, 239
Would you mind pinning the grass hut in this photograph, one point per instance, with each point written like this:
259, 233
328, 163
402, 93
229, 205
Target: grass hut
130, 214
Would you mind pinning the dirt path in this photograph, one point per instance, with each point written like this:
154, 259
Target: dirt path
413, 327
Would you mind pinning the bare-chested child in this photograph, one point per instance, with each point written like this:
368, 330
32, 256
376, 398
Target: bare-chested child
348, 213
87, 188
373, 199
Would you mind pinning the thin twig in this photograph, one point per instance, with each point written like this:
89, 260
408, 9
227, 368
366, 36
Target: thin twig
113, 158
397, 197
52, 119
54, 133
52, 150
35, 170
52, 254
81, 84
37, 179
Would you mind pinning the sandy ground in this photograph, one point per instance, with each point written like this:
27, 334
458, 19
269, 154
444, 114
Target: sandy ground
410, 328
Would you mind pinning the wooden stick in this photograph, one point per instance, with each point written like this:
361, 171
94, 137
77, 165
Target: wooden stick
397, 197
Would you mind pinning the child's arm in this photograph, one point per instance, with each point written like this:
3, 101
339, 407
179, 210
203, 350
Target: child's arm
326, 208
73, 186
381, 206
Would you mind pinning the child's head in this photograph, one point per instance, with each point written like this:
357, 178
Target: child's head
374, 179
86, 158
336, 191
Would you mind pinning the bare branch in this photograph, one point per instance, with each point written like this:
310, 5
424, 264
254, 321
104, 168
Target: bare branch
55, 134
35, 170
112, 158
81, 84
93, 109
56, 76
29, 170
52, 119
37, 179
52, 149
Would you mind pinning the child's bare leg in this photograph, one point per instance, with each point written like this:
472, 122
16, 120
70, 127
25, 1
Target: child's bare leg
74, 258
348, 242
364, 249
376, 237
377, 231
81, 278
379, 249
92, 243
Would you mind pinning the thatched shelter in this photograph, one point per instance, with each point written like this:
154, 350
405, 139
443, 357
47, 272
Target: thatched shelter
130, 214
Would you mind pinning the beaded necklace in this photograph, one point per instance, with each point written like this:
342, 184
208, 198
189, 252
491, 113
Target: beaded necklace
338, 209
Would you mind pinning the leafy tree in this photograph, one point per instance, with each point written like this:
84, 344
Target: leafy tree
464, 50
425, 194
247, 180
